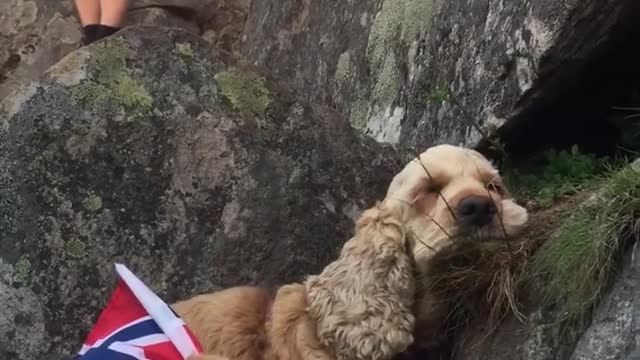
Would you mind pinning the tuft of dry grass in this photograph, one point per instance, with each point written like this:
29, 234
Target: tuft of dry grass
479, 282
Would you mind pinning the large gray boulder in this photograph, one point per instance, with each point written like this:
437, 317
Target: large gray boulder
614, 333
153, 149
400, 68
35, 34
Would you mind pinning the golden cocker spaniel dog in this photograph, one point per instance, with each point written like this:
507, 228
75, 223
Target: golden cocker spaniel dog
455, 193
363, 306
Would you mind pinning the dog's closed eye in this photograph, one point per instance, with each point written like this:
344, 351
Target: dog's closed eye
434, 188
496, 187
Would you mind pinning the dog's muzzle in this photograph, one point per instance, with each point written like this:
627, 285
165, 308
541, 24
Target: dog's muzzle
475, 212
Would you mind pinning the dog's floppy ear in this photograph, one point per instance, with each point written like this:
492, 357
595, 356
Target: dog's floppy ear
398, 180
362, 302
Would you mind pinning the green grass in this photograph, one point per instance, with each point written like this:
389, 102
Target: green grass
582, 255
557, 173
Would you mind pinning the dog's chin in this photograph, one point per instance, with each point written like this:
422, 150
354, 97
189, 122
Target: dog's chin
514, 221
481, 234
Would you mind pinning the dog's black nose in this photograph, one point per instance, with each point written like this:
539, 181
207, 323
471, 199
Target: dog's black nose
476, 211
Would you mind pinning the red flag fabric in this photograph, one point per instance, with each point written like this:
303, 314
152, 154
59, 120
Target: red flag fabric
137, 325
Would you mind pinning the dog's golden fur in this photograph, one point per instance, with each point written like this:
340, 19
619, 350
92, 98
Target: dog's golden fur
362, 306
358, 307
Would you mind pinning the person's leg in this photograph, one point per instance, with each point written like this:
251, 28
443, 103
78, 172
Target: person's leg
111, 16
88, 11
113, 12
89, 14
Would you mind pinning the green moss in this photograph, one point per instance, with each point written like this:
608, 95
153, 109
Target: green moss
245, 90
74, 248
112, 80
581, 258
21, 270
397, 25
92, 202
184, 49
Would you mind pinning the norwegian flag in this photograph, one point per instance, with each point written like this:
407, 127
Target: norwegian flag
138, 325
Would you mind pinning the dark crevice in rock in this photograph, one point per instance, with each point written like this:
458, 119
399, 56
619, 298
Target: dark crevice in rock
9, 65
576, 103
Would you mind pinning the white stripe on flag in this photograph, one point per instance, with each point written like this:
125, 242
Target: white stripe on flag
125, 348
159, 311
99, 342
149, 340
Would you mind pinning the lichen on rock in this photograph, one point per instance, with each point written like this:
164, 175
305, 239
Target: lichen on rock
21, 271
246, 91
394, 34
93, 202
343, 68
74, 248
112, 80
184, 49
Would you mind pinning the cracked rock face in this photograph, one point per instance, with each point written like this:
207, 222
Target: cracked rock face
615, 330
389, 65
189, 167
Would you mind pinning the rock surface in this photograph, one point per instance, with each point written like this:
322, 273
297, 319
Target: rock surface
189, 167
614, 333
409, 72
35, 34
389, 65
537, 338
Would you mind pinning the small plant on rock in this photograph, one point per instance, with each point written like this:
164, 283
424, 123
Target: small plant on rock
563, 173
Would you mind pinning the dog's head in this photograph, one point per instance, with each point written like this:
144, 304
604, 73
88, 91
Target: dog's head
453, 192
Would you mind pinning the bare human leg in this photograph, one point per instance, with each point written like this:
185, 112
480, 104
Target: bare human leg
113, 12
88, 11
89, 14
